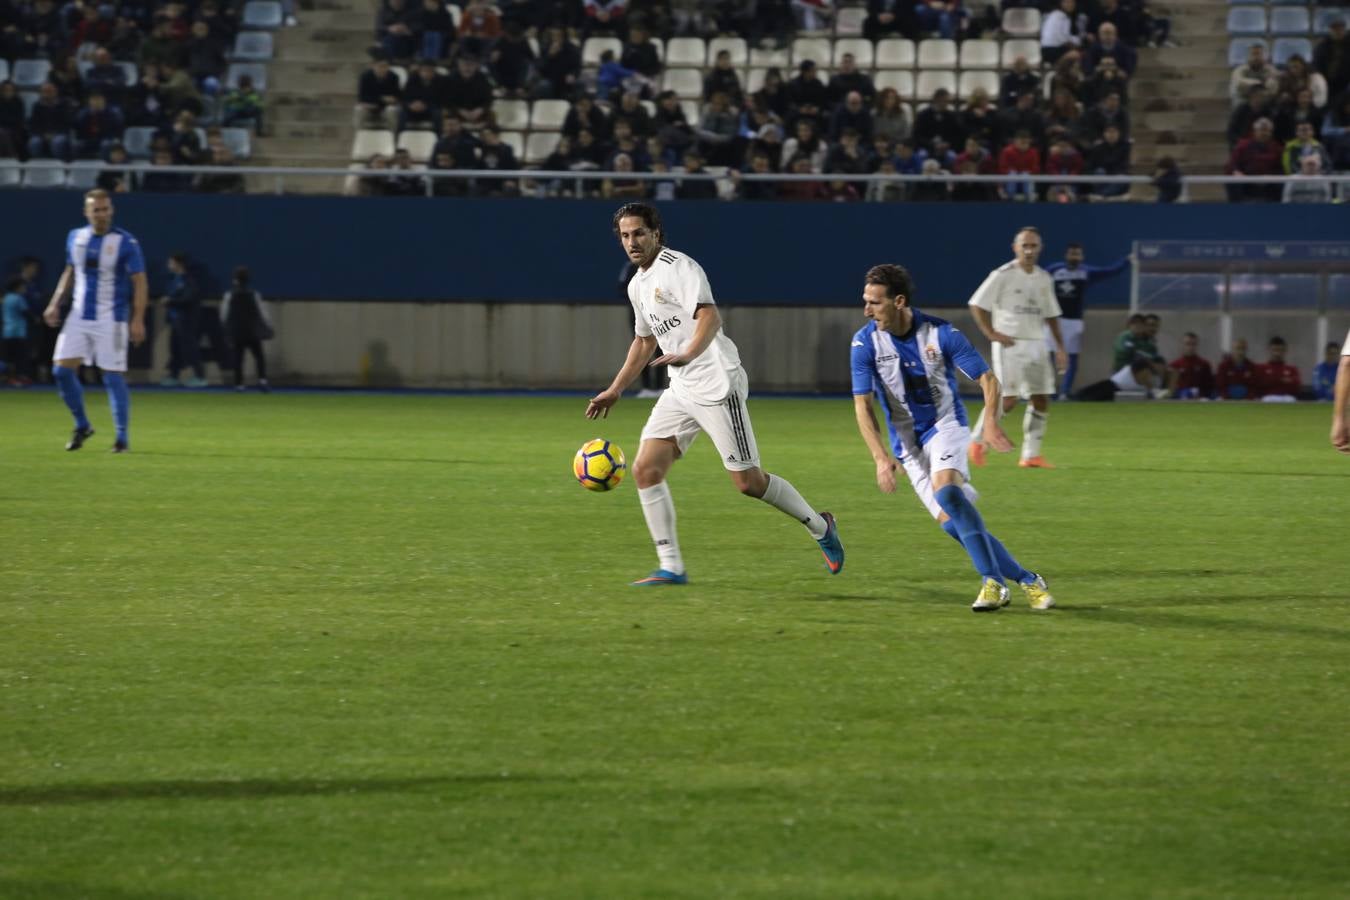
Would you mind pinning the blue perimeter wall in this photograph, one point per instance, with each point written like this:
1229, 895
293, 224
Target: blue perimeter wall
418, 249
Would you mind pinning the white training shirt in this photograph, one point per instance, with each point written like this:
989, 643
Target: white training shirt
664, 298
1019, 302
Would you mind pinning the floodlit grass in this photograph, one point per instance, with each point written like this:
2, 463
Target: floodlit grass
382, 646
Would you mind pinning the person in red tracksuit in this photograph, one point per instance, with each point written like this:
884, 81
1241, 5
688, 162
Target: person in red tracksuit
1019, 157
1195, 376
1277, 377
1238, 377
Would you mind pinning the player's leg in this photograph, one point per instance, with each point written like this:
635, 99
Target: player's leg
110, 355
668, 433
73, 346
1034, 423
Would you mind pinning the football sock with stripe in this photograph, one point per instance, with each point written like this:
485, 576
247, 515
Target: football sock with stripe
68, 383
659, 510
1011, 568
780, 494
1033, 432
119, 398
970, 528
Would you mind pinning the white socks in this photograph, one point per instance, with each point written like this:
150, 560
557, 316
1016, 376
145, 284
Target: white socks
780, 494
1033, 432
659, 511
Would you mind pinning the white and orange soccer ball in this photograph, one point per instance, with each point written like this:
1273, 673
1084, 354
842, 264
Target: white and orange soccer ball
599, 465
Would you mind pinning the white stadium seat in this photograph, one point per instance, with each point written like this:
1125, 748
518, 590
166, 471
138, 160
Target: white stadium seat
369, 141
895, 53
594, 46
979, 54
1022, 22
740, 53
970, 80
419, 144
902, 80
538, 147
931, 80
861, 49
687, 51
770, 59
818, 50
848, 21
548, 115
937, 53
1028, 48
686, 83
511, 114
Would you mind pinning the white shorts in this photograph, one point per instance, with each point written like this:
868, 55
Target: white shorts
1024, 369
1072, 332
102, 344
945, 450
727, 423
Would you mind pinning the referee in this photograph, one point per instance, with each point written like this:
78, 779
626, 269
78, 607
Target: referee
106, 270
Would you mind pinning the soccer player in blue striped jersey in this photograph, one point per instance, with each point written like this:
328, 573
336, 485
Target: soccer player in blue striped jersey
106, 270
908, 360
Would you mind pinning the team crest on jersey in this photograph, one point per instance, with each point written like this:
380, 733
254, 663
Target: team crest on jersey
931, 353
660, 298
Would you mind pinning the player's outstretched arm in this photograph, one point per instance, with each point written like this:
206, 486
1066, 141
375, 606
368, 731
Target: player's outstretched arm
639, 352
993, 434
707, 320
52, 314
870, 430
1340, 415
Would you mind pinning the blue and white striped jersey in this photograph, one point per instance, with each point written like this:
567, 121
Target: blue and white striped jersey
103, 265
914, 377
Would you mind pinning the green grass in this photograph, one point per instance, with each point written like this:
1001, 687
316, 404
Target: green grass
318, 646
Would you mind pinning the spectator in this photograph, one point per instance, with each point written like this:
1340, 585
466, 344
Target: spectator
1298, 77
981, 160
1237, 377
701, 189
935, 189
377, 96
401, 182
144, 103
223, 25
1062, 30
13, 124
773, 96
247, 325
612, 79
457, 142
889, 118
221, 182
512, 60
433, 30
1278, 379
184, 140
623, 187
840, 191
671, 126
184, 314
14, 334
723, 78
1109, 112
1124, 20
1257, 155
206, 61
848, 157
1018, 81
801, 191
1133, 343
1324, 376
1289, 116
421, 98
1257, 71
494, 154
1315, 189
760, 164
161, 179
1167, 180
591, 151
1019, 157
606, 16
479, 25
640, 53
1109, 156
718, 132
1245, 116
805, 144
1022, 116
980, 119
909, 158
468, 93
65, 74
1194, 374
394, 29
969, 163
1336, 131
939, 120
1304, 143
847, 80
1064, 117
809, 97
1106, 78
1068, 74
1109, 46
455, 187
1064, 159
116, 181
559, 67
887, 18
585, 114
626, 142
1331, 58
694, 17
125, 40
179, 90
947, 17
49, 125
632, 111
106, 77
888, 191
853, 114
96, 127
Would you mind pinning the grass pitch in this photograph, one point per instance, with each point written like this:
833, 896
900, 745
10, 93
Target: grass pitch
382, 646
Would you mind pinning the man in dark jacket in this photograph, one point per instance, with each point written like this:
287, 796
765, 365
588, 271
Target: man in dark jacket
184, 313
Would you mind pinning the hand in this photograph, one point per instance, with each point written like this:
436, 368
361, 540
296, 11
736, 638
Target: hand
1061, 361
52, 315
599, 405
1340, 435
999, 337
886, 476
995, 436
670, 359
137, 332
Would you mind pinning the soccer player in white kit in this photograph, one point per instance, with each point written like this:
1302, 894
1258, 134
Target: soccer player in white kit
1013, 308
675, 311
1340, 413
107, 270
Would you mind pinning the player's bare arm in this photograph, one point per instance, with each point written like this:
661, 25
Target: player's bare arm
1061, 355
985, 323
52, 314
708, 320
870, 429
1340, 417
993, 433
140, 302
639, 352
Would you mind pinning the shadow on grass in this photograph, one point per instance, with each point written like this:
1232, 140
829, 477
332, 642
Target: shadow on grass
311, 457
248, 788
1153, 617
22, 889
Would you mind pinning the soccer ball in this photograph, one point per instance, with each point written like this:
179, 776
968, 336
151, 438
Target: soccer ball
599, 465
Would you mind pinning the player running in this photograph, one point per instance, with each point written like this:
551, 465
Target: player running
1013, 308
675, 311
908, 360
108, 271
1072, 278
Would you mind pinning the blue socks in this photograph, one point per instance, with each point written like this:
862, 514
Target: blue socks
68, 383
970, 530
1067, 388
120, 400
1011, 568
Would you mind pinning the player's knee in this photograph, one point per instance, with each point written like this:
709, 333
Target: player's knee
646, 475
751, 482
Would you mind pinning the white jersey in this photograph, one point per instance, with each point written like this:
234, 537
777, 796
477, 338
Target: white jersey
664, 298
1018, 301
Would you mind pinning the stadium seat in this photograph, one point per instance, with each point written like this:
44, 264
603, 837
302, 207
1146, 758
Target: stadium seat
538, 146
256, 71
689, 52
1286, 47
1290, 21
253, 45
1246, 2
1247, 20
401, 74
895, 53
548, 115
817, 50
970, 80
10, 177
1322, 18
516, 141
861, 49
979, 54
136, 141
595, 46
29, 74
512, 115
902, 80
83, 174
649, 106
1237, 49
769, 59
686, 83
419, 144
931, 80
740, 53
133, 76
239, 140
936, 53
4, 69
457, 13
30, 99
1286, 2
369, 141
848, 21
754, 80
1021, 47
262, 14
45, 173
1022, 22
690, 108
